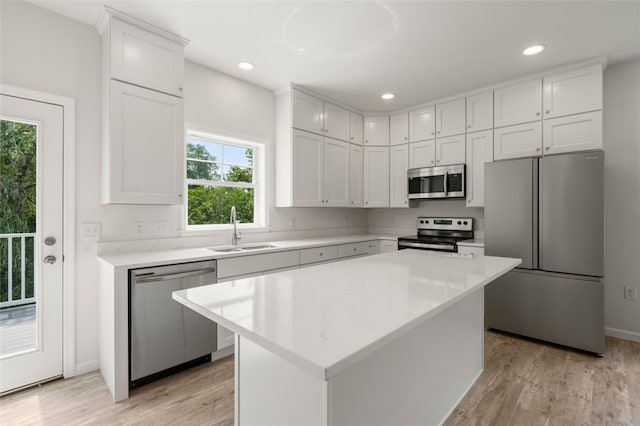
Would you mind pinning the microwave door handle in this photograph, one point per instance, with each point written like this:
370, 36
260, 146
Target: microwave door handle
446, 178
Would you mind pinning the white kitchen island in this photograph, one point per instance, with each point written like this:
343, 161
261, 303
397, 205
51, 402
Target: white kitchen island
392, 339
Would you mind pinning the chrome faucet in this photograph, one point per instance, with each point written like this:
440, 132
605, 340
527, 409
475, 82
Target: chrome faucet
236, 235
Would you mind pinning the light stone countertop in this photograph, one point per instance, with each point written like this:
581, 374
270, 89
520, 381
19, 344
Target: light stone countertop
165, 257
476, 242
324, 318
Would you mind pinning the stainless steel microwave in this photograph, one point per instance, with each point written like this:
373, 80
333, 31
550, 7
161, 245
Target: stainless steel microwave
437, 182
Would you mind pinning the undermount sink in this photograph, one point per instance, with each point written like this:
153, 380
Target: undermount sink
248, 247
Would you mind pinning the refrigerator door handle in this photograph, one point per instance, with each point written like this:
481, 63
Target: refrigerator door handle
537, 184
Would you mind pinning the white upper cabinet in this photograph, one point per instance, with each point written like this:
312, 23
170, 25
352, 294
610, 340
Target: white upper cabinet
450, 118
376, 130
398, 182
356, 128
376, 176
336, 122
145, 160
479, 152
573, 92
154, 60
399, 129
580, 132
314, 115
422, 154
523, 140
480, 112
422, 124
450, 150
308, 112
336, 173
308, 169
356, 173
520, 103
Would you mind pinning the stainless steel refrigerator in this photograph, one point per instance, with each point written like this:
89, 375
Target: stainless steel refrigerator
549, 212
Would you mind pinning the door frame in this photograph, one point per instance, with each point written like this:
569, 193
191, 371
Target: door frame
69, 243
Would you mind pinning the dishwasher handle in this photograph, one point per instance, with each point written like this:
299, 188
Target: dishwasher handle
166, 277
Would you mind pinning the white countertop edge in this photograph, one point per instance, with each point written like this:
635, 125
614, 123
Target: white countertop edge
472, 243
324, 373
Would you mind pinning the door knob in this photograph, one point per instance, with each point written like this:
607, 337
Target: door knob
49, 260
49, 241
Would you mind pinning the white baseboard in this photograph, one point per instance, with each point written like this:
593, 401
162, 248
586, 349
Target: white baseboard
622, 334
87, 367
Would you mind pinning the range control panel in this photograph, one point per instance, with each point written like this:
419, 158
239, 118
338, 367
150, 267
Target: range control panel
448, 223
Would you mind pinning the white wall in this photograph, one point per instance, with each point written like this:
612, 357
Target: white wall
622, 197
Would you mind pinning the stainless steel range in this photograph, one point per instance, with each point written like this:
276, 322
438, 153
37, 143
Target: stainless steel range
439, 234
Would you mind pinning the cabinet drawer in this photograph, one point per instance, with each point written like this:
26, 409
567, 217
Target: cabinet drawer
318, 254
476, 251
386, 246
244, 265
354, 249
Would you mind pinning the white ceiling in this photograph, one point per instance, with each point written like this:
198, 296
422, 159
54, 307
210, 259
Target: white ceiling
356, 50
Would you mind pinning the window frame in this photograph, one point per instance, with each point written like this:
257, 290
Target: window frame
259, 184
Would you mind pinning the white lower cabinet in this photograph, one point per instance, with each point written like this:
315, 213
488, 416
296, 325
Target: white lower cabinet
385, 246
580, 132
357, 249
476, 251
143, 160
523, 140
398, 184
479, 152
318, 255
450, 150
376, 176
422, 154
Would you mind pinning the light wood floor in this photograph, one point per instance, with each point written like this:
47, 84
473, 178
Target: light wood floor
524, 383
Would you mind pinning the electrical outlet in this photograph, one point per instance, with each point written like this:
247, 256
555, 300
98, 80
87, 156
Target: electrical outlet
138, 229
631, 293
90, 231
159, 227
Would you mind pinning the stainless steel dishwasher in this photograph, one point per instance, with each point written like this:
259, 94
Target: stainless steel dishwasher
164, 336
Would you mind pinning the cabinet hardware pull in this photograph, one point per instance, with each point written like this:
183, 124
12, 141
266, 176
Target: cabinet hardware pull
469, 126
547, 148
537, 149
537, 114
547, 111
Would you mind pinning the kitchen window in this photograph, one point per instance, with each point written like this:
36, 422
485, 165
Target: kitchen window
223, 172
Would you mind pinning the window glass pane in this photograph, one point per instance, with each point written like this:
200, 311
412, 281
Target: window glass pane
238, 155
203, 170
237, 174
212, 205
203, 150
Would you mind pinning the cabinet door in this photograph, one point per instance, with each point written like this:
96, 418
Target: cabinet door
376, 177
145, 59
450, 150
399, 129
422, 124
580, 132
450, 118
356, 175
524, 140
517, 104
480, 112
308, 112
308, 169
376, 131
336, 173
479, 152
398, 184
356, 128
573, 92
386, 246
474, 251
336, 122
422, 154
144, 162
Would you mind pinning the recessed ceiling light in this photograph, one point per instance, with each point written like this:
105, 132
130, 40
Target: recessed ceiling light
245, 65
387, 96
532, 50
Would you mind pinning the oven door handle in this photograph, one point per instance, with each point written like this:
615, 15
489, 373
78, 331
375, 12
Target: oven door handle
427, 246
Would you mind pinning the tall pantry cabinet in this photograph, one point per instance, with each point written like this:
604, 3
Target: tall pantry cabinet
143, 117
